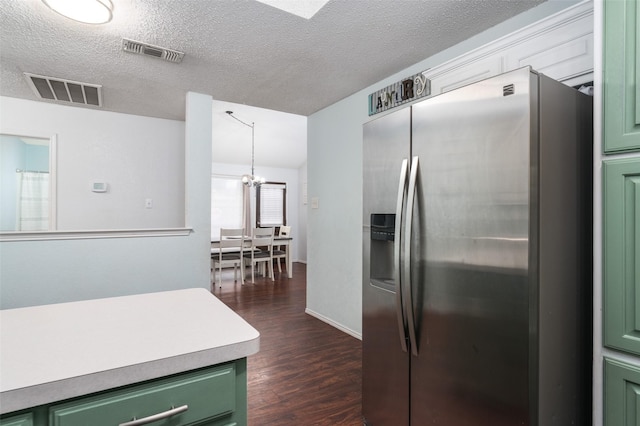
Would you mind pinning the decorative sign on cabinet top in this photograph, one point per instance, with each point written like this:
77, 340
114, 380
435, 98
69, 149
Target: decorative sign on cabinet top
406, 90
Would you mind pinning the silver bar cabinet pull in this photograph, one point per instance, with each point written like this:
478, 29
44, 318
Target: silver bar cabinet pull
164, 415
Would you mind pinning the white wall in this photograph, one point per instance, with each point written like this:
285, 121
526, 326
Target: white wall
334, 271
42, 272
274, 174
138, 157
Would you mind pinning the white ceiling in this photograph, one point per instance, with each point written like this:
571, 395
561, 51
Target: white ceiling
240, 51
280, 137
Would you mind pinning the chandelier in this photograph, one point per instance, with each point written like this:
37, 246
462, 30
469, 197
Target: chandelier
252, 179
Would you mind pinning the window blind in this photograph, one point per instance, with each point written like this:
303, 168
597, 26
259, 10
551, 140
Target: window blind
272, 197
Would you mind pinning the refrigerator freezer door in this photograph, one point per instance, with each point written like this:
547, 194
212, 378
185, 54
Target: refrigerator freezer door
385, 365
470, 254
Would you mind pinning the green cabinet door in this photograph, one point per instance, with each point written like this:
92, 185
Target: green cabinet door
621, 254
621, 76
20, 420
621, 394
211, 396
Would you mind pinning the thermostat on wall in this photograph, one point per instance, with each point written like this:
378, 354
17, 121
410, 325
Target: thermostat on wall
99, 187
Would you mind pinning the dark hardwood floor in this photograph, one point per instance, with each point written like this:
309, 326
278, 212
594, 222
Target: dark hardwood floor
307, 372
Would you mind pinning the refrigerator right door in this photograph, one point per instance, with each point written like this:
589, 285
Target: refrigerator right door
470, 254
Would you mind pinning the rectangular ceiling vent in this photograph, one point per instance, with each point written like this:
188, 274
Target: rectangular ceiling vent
59, 89
150, 50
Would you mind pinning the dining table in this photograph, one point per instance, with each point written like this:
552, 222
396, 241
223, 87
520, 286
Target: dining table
277, 241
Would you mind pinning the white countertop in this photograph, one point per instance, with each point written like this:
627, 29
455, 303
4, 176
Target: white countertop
54, 352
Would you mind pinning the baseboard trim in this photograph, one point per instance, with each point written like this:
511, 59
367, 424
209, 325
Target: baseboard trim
334, 324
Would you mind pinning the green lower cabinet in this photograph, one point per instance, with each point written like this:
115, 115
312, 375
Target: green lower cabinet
621, 394
621, 254
213, 396
19, 420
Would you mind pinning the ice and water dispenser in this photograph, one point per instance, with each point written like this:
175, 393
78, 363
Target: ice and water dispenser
381, 263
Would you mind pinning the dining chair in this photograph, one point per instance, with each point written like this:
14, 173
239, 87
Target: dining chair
229, 253
261, 250
280, 252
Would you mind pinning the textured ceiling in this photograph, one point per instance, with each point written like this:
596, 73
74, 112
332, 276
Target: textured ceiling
240, 51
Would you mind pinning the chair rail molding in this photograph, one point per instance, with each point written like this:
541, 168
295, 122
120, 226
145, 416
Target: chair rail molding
94, 234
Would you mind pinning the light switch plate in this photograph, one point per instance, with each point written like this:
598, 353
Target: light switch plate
99, 187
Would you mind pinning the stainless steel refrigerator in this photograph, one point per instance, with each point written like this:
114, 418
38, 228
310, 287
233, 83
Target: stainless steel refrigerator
477, 246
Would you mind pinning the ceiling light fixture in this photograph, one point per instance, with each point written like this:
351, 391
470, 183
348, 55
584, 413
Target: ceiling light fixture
252, 179
86, 11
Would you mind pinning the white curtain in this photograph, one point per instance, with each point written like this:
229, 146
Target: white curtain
246, 211
33, 201
227, 203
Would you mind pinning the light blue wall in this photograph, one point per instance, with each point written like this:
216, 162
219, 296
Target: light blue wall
36, 158
11, 158
43, 272
15, 154
334, 147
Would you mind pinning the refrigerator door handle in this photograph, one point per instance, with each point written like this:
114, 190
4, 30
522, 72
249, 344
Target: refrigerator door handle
408, 296
396, 255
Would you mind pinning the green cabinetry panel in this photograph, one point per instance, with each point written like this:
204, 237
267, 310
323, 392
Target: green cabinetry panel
621, 254
621, 393
212, 396
20, 420
621, 76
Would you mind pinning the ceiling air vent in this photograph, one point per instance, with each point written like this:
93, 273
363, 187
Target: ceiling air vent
150, 50
59, 89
